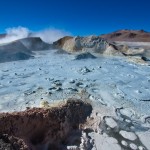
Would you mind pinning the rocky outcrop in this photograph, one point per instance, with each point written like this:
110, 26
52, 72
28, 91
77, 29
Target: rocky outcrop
60, 43
112, 51
128, 35
44, 128
86, 44
85, 55
95, 44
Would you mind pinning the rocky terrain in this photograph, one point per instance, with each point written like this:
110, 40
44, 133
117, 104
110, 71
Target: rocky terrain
119, 105
99, 45
81, 93
44, 128
23, 48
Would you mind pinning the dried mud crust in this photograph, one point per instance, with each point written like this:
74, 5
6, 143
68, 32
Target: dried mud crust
42, 128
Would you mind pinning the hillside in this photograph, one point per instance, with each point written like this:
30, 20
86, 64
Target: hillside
22, 49
128, 35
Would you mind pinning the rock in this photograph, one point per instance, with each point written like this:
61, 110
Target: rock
133, 51
44, 104
31, 128
112, 51
72, 81
145, 58
138, 60
76, 44
60, 43
84, 70
84, 56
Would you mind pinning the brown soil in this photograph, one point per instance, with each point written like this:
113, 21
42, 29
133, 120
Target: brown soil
44, 128
60, 42
128, 35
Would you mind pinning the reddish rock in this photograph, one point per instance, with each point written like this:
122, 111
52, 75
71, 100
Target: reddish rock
40, 128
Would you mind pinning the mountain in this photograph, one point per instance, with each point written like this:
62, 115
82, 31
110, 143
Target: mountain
22, 49
128, 35
14, 51
35, 44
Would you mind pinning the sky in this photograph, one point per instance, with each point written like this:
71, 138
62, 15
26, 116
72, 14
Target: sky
78, 17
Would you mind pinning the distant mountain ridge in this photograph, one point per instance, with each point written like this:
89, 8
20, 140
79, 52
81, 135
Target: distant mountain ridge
128, 35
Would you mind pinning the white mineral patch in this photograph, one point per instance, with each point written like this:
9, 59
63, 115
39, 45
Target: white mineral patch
104, 142
124, 143
127, 112
128, 135
133, 146
141, 148
144, 137
111, 122
72, 148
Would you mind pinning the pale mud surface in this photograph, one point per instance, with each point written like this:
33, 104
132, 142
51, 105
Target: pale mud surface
117, 89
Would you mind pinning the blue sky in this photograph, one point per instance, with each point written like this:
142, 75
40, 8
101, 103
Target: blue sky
80, 17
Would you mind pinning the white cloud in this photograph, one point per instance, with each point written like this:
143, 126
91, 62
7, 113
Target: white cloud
13, 34
48, 35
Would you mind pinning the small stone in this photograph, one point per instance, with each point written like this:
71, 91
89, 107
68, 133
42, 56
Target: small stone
50, 93
44, 104
58, 89
72, 81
